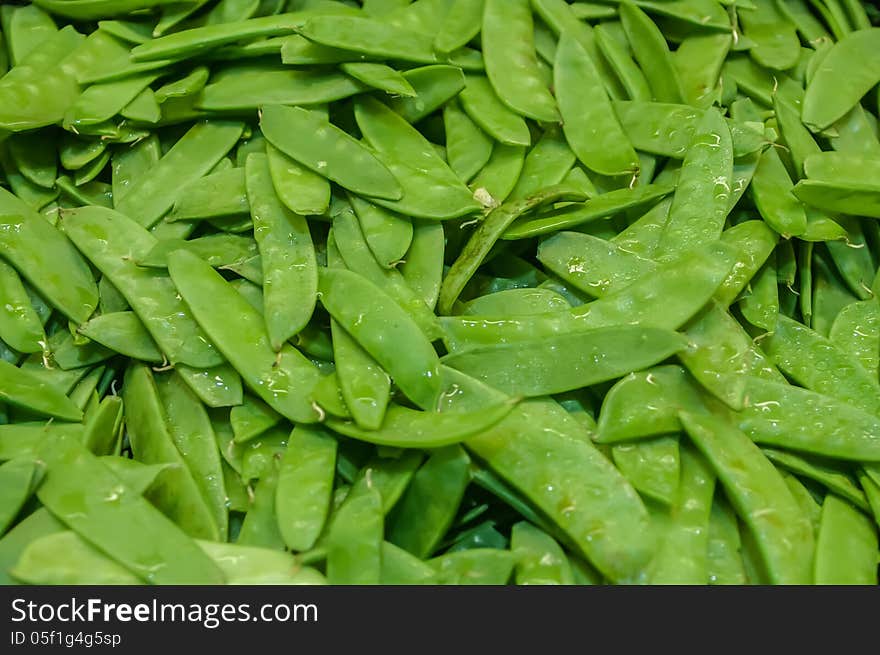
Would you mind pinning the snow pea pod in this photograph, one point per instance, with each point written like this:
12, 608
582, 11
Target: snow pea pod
776, 44
290, 274
772, 192
370, 37
248, 565
497, 178
25, 439
305, 485
355, 539
124, 333
388, 234
149, 198
651, 52
563, 363
724, 559
462, 23
34, 154
761, 497
653, 467
846, 546
307, 137
219, 250
596, 137
468, 148
539, 559
849, 70
217, 386
284, 380
833, 197
20, 388
77, 489
113, 242
516, 301
487, 234
216, 195
178, 493
619, 57
20, 325
856, 331
433, 86
699, 60
379, 76
82, 563
364, 386
478, 566
302, 190
546, 164
423, 265
761, 306
511, 62
18, 478
252, 418
482, 105
101, 102
835, 478
260, 525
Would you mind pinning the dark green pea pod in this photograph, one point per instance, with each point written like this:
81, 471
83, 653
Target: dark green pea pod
35, 156
18, 478
101, 433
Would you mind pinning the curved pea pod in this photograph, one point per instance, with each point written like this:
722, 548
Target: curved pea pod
217, 386
478, 566
777, 414
468, 147
487, 234
35, 249
34, 154
606, 521
596, 137
379, 76
26, 439
354, 540
409, 428
761, 306
763, 501
370, 37
364, 386
511, 61
384, 330
20, 325
18, 478
20, 388
252, 418
423, 265
516, 301
832, 197
290, 274
653, 467
548, 163
856, 331
846, 546
260, 525
482, 105
849, 70
245, 87
401, 568
775, 41
682, 557
388, 234
216, 195
249, 565
539, 559
124, 333
699, 60
702, 198
302, 190
305, 486
102, 433
566, 362
834, 477
92, 501
153, 194
600, 206
309, 138
113, 242
499, 176
646, 404
813, 361
219, 250
617, 52
430, 188
284, 380
772, 192
433, 86
651, 53
66, 558
755, 243
177, 493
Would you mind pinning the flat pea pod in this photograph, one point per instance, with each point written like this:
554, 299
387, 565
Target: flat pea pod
260, 526
761, 306
499, 176
370, 37
382, 328
284, 380
682, 557
178, 493
836, 198
81, 563
566, 362
290, 274
431, 189
365, 387
772, 192
482, 105
651, 53
468, 147
433, 87
646, 404
388, 234
462, 23
24, 439
218, 194
379, 76
478, 566
217, 386
249, 565
724, 559
699, 60
702, 198
190, 429
596, 137
305, 485
35, 249
20, 325
102, 433
129, 164
423, 265
25, 28
430, 502
776, 44
408, 428
760, 496
219, 250
37, 524
194, 155
619, 57
816, 363
34, 154
124, 333
546, 164
846, 546
487, 234
355, 539
101, 102
20, 388
401, 568
302, 190
796, 419
539, 559
252, 418
653, 467
849, 70
609, 527
511, 62
113, 242
835, 478
139, 537
856, 331
18, 478
183, 87
328, 151
516, 301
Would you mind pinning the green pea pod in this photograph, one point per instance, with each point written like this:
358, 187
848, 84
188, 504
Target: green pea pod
388, 234
499, 176
401, 568
763, 501
479, 566
364, 386
252, 418
408, 428
283, 380
195, 154
849, 70
302, 190
724, 559
856, 331
539, 559
651, 53
516, 301
431, 189
370, 37
698, 61
25, 439
846, 546
376, 321
485, 109
124, 333
81, 563
138, 535
260, 526
129, 164
188, 85
597, 138
462, 23
305, 484
468, 148
328, 151
178, 495
805, 421
18, 478
34, 154
683, 554
247, 565
761, 306
216, 195
218, 386
20, 388
434, 86
835, 478
776, 44
755, 243
423, 265
840, 199
379, 76
354, 541
545, 165
101, 102
619, 57
652, 467
20, 325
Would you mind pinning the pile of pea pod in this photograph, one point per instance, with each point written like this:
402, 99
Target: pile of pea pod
439, 292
